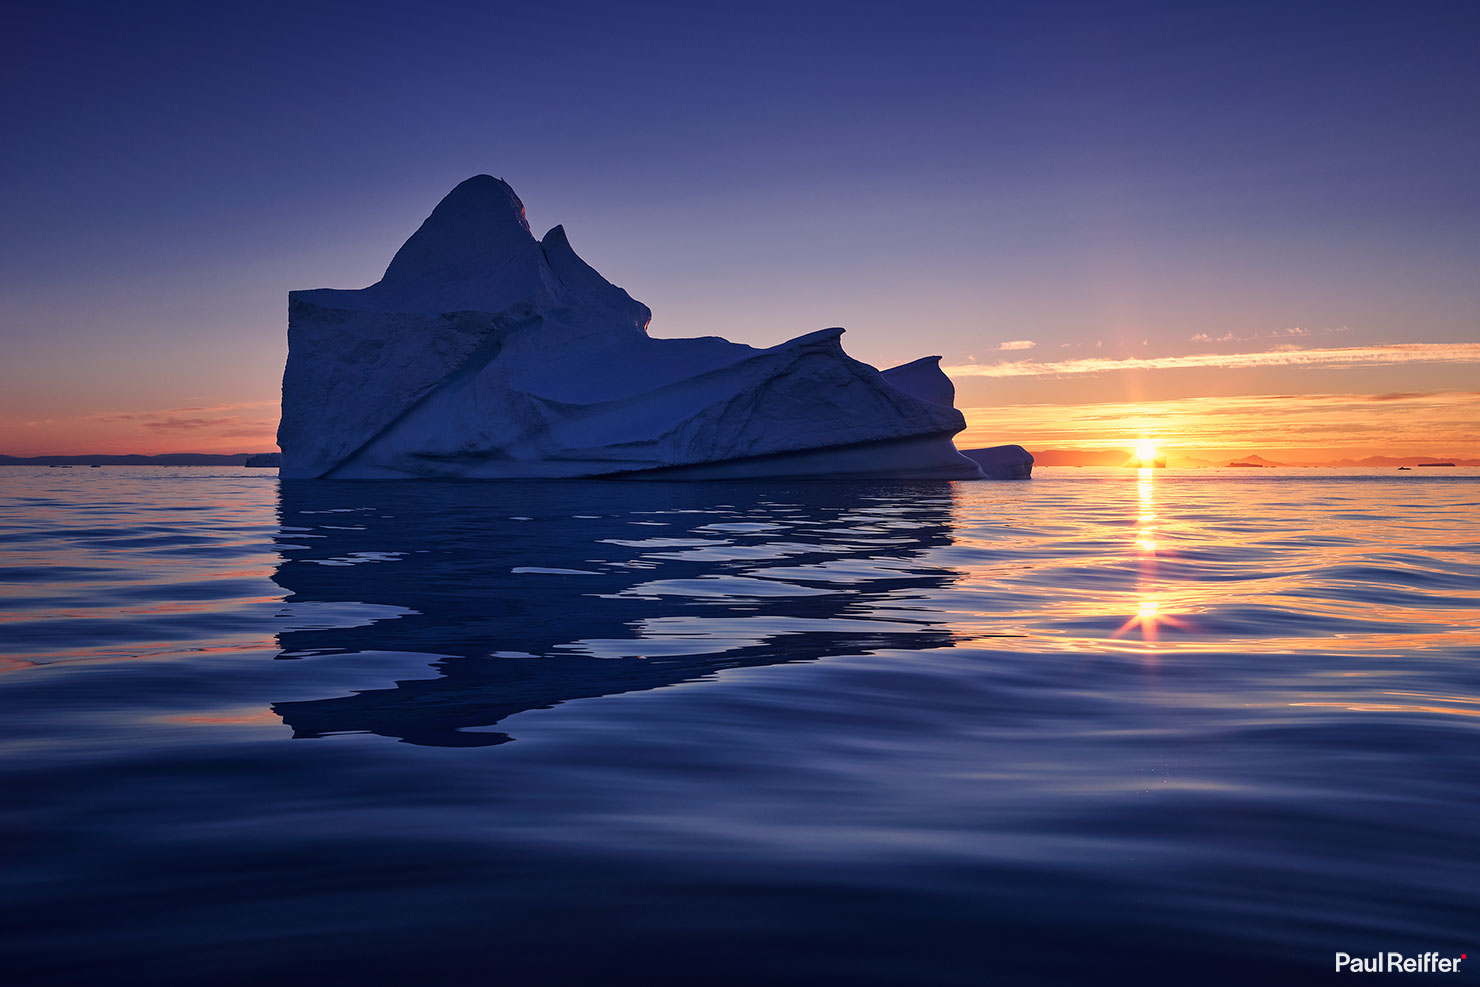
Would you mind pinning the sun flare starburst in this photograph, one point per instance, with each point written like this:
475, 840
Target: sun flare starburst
1149, 618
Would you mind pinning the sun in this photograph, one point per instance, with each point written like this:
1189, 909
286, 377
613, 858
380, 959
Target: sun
1146, 450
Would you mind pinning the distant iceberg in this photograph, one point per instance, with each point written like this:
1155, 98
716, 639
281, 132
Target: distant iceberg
486, 353
1002, 462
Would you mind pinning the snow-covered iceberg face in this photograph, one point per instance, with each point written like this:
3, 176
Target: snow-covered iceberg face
484, 352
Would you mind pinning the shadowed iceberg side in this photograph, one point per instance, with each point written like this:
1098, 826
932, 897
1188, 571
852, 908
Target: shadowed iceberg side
484, 352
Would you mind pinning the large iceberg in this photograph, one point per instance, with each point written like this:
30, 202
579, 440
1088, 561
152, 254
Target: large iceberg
484, 352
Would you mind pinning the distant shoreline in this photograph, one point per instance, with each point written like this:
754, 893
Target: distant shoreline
164, 459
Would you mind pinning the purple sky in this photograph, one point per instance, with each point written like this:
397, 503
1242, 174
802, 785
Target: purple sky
1101, 180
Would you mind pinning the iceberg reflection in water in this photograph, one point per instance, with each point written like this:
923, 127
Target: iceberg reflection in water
537, 593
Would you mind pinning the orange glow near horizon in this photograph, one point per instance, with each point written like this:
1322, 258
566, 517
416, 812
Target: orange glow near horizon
230, 428
1294, 428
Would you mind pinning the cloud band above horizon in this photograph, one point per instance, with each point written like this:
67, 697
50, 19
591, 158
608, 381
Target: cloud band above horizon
1331, 357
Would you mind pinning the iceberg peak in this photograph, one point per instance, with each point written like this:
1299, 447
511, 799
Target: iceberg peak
476, 222
473, 252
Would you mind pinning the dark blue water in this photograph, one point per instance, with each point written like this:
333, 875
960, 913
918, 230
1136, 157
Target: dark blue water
1103, 726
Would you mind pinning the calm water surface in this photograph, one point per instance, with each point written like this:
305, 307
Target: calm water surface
1103, 726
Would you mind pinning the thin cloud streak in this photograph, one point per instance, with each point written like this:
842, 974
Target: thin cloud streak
169, 424
1333, 357
165, 414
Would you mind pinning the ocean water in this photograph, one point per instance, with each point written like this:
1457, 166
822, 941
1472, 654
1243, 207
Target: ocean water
1101, 726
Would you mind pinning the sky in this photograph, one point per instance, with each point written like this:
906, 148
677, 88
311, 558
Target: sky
1236, 228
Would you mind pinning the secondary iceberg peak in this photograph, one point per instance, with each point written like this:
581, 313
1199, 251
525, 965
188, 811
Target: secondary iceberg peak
581, 279
925, 380
484, 352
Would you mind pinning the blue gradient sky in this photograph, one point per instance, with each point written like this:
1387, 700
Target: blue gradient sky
1105, 180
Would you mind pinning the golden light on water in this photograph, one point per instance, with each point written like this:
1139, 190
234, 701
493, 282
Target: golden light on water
1177, 563
1150, 615
1146, 521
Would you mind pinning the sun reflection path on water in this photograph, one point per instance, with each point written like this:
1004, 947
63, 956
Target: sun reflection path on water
1142, 562
1150, 615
